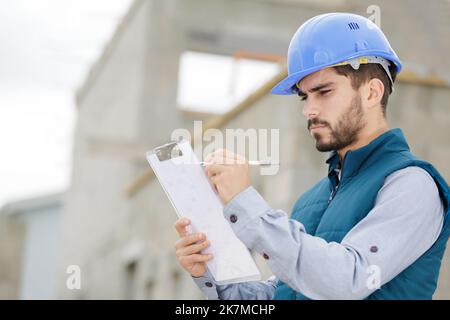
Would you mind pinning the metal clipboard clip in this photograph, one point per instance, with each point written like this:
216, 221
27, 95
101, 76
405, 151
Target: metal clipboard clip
168, 151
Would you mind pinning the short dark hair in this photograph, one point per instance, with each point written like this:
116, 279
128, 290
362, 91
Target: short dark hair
367, 72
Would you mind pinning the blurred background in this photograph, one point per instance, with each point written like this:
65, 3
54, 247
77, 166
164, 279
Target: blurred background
87, 87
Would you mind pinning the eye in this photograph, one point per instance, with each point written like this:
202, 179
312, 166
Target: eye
324, 92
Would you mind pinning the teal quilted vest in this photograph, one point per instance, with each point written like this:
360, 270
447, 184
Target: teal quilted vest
330, 211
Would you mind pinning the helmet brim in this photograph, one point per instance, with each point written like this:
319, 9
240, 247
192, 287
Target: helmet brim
287, 86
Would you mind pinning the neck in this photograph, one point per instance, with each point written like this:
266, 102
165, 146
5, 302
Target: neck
365, 136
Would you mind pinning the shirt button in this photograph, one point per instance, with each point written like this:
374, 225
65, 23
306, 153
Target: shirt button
265, 256
373, 249
233, 218
208, 284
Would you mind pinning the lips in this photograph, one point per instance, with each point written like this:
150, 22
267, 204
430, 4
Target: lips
317, 127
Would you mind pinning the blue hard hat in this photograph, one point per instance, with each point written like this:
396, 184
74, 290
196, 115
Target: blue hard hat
335, 39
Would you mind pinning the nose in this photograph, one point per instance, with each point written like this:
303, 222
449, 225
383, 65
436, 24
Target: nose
310, 111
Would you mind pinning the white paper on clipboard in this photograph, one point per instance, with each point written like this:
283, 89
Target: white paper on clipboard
191, 194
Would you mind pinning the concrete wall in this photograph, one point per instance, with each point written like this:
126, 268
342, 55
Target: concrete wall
30, 247
11, 246
123, 245
40, 253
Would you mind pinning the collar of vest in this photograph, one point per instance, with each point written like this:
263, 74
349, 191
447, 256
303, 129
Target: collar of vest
390, 141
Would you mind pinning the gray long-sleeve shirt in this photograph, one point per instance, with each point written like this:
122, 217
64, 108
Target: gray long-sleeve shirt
404, 223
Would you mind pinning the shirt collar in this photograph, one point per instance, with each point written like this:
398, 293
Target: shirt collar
392, 141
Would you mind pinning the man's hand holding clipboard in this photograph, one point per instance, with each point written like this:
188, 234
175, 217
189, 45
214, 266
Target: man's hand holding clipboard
229, 173
198, 195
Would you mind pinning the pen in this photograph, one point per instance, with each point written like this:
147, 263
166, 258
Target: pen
251, 163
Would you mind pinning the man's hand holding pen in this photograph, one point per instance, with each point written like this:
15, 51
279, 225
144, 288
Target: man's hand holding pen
228, 172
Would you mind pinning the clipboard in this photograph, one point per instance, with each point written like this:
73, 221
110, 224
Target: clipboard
189, 190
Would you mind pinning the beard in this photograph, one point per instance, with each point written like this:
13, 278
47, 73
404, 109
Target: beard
346, 130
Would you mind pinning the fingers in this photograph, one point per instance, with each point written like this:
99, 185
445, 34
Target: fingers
223, 156
218, 161
195, 258
218, 154
192, 249
240, 159
214, 169
188, 240
189, 248
181, 226
215, 179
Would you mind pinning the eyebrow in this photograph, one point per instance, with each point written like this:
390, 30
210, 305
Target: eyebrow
316, 88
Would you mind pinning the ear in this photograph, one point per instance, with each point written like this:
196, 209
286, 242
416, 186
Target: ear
375, 91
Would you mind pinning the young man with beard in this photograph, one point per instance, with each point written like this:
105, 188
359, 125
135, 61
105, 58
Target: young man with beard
376, 226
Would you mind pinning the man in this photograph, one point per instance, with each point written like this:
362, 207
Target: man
376, 227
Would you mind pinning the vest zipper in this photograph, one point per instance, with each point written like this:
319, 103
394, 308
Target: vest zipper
333, 193
335, 189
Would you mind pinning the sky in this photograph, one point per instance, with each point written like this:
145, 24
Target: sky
233, 80
46, 50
